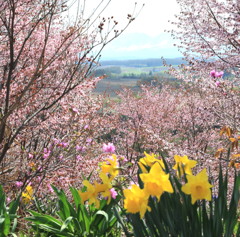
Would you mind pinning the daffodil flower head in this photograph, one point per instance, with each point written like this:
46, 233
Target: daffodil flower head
107, 182
156, 181
184, 165
27, 196
136, 200
198, 187
148, 161
92, 192
110, 166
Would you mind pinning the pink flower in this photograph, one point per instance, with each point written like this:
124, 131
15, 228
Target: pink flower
46, 153
30, 156
113, 193
86, 127
75, 110
45, 156
219, 74
216, 74
64, 144
213, 73
80, 148
19, 184
89, 140
79, 158
124, 159
217, 83
50, 188
45, 150
108, 148
56, 141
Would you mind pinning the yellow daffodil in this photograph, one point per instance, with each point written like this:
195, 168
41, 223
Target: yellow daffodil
198, 187
92, 192
27, 196
156, 181
219, 152
136, 200
107, 181
184, 165
110, 166
148, 161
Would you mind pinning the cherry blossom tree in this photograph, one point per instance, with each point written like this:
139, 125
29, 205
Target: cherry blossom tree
208, 34
49, 120
44, 57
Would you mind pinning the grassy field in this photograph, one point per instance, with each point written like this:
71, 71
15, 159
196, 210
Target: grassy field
141, 70
130, 77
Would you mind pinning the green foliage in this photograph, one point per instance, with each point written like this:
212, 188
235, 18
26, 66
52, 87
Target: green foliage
8, 216
75, 219
175, 216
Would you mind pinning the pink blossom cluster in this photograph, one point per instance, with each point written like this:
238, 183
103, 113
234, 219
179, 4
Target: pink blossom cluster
113, 193
216, 74
63, 144
46, 153
109, 148
19, 184
80, 148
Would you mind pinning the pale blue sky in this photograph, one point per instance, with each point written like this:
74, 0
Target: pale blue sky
145, 37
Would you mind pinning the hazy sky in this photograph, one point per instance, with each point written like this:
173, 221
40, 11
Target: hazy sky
153, 18
145, 37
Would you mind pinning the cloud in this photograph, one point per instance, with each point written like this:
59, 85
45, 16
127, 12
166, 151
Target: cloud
134, 47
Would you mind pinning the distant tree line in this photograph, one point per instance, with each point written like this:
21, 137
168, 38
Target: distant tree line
107, 71
144, 62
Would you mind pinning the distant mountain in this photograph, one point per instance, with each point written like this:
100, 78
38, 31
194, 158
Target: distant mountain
142, 62
139, 45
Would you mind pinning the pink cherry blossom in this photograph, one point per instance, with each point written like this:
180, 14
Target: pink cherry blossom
219, 74
45, 150
110, 148
213, 73
217, 83
113, 193
124, 159
86, 126
65, 144
46, 153
89, 140
56, 141
80, 148
216, 74
75, 110
19, 184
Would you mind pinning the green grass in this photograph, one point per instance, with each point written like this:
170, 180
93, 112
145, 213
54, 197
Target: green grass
140, 70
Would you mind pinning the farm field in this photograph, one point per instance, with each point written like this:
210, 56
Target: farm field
109, 86
129, 77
